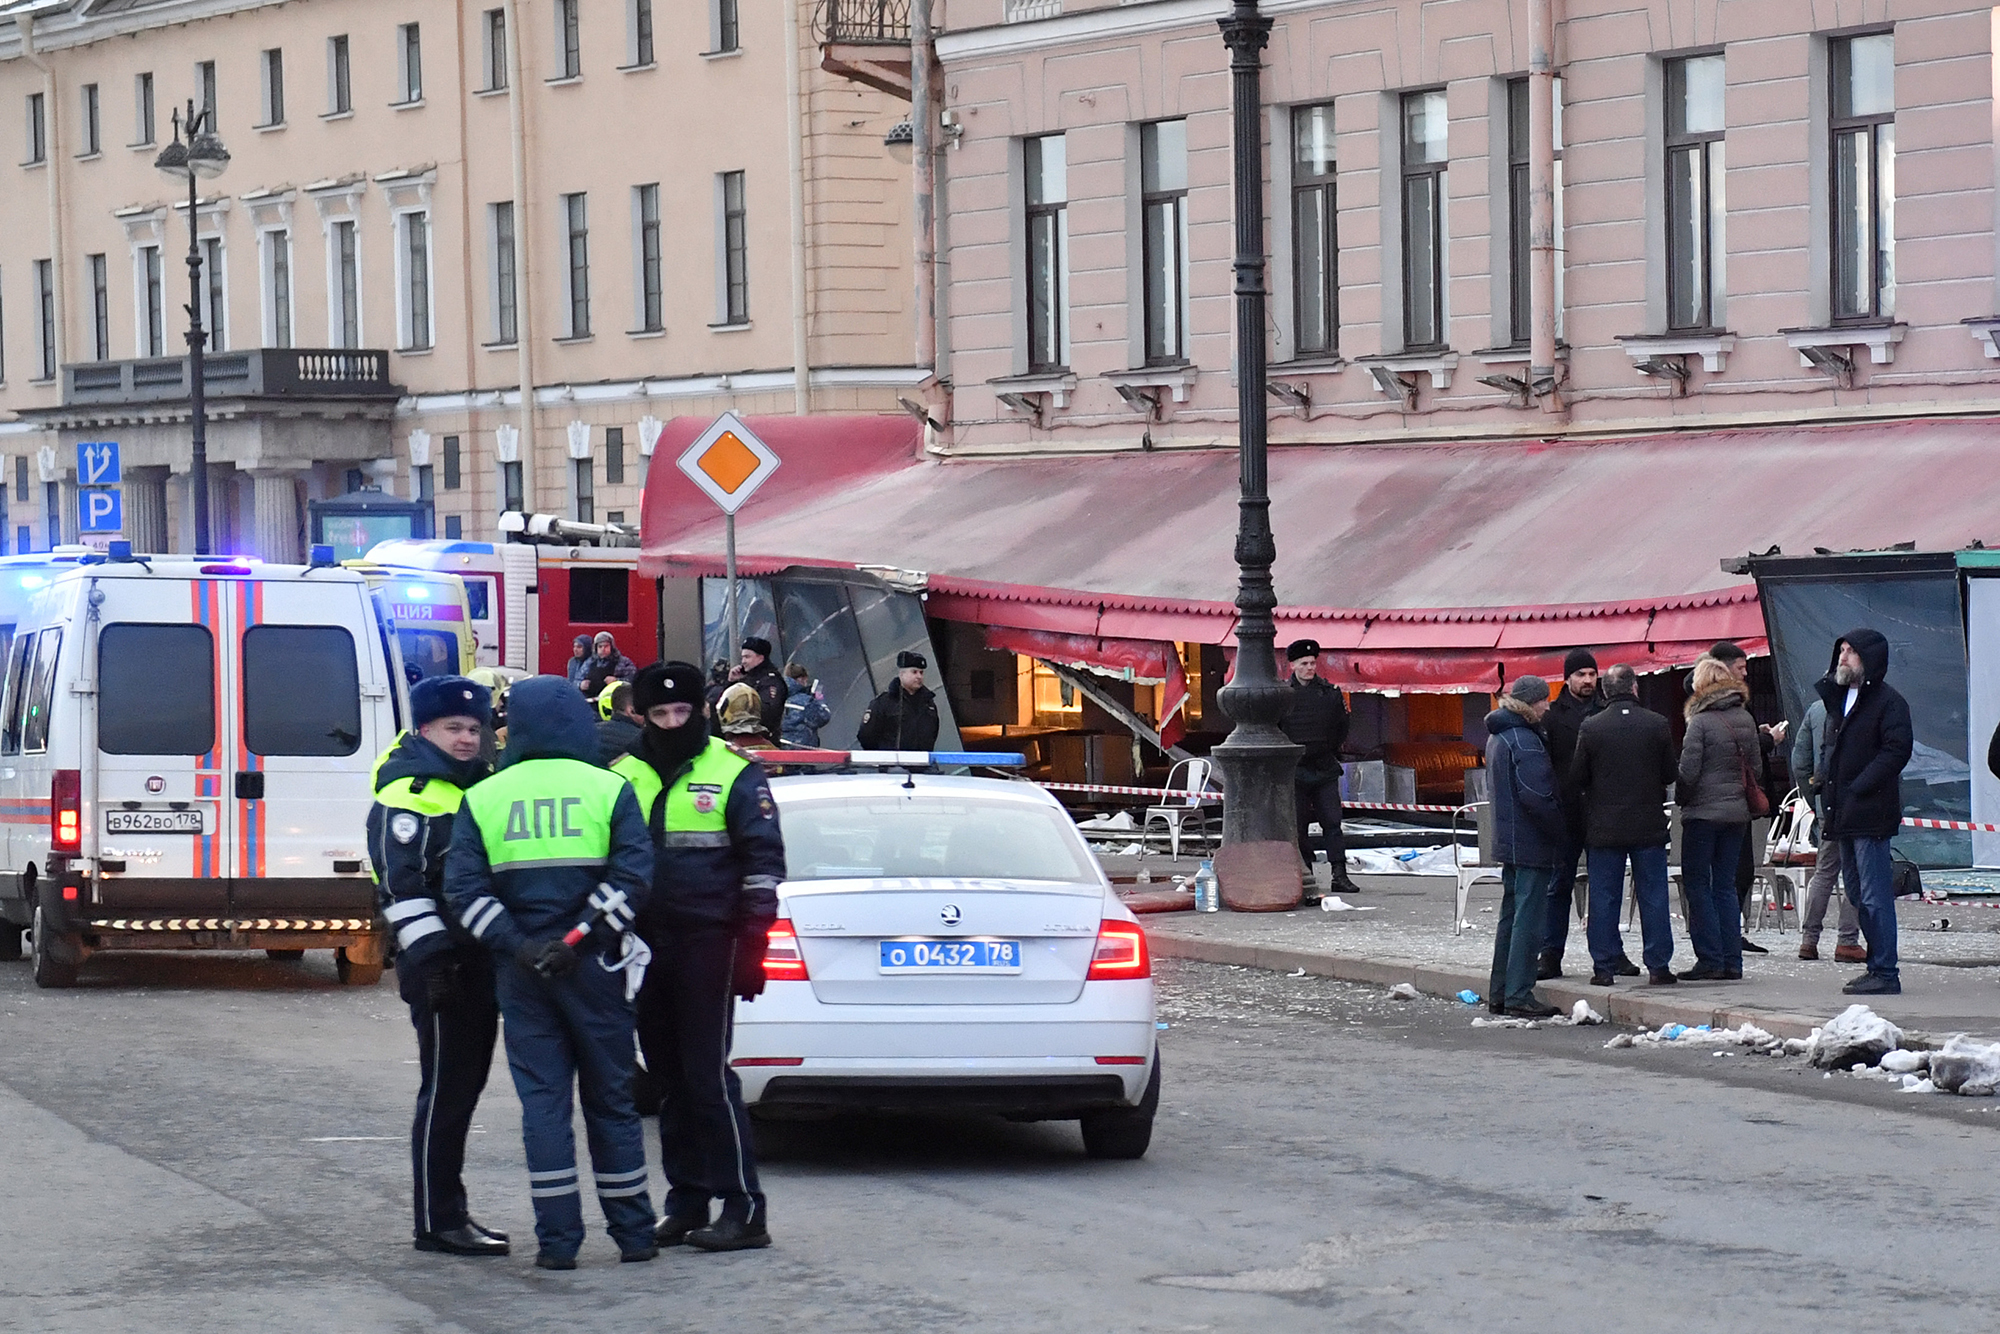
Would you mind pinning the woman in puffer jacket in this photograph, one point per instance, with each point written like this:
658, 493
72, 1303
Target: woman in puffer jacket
1721, 742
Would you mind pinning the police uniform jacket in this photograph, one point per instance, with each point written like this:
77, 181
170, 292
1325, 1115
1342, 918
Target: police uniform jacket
899, 719
535, 839
719, 853
418, 791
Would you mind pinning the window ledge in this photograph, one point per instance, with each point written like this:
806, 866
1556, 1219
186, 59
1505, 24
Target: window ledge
1437, 364
731, 53
141, 148
569, 339
1514, 356
324, 115
90, 157
43, 379
501, 91
415, 351
1058, 385
635, 69
1985, 328
1712, 348
407, 106
1880, 340
36, 165
268, 127
562, 80
508, 346
1313, 365
1178, 379
740, 326
645, 333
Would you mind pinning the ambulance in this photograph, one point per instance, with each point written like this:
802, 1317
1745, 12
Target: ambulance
432, 616
185, 747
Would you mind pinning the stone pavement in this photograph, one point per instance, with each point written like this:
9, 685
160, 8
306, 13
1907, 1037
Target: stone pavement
1401, 932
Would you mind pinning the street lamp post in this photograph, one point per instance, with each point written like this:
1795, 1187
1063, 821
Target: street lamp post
1258, 866
197, 157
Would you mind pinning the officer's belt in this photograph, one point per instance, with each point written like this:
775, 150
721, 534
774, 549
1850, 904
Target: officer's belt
540, 863
701, 838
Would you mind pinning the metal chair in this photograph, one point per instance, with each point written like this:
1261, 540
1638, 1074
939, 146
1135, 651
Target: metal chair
1188, 800
1483, 869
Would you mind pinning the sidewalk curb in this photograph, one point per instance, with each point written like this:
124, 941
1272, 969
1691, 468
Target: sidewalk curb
1643, 1006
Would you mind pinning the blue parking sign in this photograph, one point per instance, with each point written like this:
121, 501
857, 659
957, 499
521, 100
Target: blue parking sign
100, 510
97, 463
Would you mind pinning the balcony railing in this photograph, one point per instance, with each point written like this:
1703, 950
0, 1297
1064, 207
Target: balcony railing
863, 22
265, 372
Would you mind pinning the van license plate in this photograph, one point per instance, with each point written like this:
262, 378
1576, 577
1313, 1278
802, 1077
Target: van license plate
951, 956
152, 822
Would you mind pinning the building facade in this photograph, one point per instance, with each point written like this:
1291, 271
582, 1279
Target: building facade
428, 207
1765, 211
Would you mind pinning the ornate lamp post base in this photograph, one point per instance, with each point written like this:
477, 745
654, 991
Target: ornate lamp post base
1258, 867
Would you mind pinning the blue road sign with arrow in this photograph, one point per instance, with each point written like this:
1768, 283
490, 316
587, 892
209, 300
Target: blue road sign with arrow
97, 463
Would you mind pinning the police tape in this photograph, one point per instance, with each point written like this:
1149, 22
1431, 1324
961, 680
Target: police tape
1181, 794
1962, 825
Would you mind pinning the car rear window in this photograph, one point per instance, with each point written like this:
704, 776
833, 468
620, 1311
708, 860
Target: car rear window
428, 653
301, 691
41, 691
879, 838
155, 690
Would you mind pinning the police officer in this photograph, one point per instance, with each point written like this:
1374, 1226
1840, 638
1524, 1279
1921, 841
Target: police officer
446, 978
530, 849
905, 716
719, 858
1317, 720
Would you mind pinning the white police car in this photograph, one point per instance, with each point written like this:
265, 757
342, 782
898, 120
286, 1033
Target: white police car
949, 944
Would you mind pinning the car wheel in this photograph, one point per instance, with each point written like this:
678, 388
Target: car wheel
1124, 1132
10, 942
355, 974
56, 957
285, 956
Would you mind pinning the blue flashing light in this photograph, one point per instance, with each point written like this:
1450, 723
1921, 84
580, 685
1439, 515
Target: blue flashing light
416, 592
120, 550
32, 581
993, 759
320, 555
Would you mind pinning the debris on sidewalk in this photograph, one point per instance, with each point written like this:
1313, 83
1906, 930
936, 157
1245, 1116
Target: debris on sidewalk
1580, 1015
1856, 1036
1747, 1035
1967, 1067
1404, 991
1469, 997
1335, 903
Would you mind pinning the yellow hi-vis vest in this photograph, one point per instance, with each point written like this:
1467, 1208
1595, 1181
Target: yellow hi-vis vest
696, 811
549, 812
435, 796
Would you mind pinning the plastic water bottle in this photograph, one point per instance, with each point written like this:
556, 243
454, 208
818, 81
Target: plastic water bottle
1322, 872
1145, 877
1207, 893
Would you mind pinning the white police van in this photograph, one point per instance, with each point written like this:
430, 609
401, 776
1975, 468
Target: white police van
185, 754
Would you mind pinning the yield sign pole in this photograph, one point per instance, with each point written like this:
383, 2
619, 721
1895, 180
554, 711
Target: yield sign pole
728, 462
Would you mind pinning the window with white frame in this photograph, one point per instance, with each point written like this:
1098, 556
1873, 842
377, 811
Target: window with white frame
1424, 160
142, 110
1862, 115
415, 329
583, 489
409, 63
725, 26
45, 308
204, 80
93, 127
1697, 255
38, 131
1520, 314
638, 33
1315, 256
510, 487
614, 455
493, 49
576, 262
1045, 178
453, 463
339, 77
152, 303
733, 246
506, 310
646, 218
215, 301
273, 66
99, 268
276, 243
1163, 239
569, 40
344, 245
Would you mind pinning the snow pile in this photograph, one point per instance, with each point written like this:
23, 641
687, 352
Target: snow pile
1582, 1014
1403, 991
1905, 1062
1856, 1036
1748, 1035
1966, 1067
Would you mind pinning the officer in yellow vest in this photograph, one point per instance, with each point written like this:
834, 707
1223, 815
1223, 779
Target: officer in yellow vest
443, 974
718, 859
531, 849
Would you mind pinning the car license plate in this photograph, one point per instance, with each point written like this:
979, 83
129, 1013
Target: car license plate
152, 822
951, 956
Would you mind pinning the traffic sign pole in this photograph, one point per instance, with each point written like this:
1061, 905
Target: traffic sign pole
729, 555
728, 462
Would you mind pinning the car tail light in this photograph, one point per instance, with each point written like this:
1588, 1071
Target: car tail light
66, 810
782, 960
768, 1060
1121, 1060
1121, 953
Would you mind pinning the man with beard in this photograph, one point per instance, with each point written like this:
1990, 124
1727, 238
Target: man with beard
1868, 741
718, 858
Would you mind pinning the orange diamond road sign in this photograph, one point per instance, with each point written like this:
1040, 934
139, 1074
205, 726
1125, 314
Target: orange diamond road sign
728, 462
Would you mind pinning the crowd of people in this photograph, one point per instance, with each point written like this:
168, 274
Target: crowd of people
1589, 775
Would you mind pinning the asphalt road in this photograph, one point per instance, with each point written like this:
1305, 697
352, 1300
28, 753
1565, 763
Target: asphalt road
218, 1144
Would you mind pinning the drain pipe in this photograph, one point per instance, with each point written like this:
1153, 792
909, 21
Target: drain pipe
795, 162
52, 148
524, 323
1542, 205
923, 149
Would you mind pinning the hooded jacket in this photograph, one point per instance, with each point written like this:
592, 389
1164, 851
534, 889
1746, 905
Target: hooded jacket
805, 714
1623, 770
1866, 747
1721, 738
898, 719
418, 791
1528, 823
571, 825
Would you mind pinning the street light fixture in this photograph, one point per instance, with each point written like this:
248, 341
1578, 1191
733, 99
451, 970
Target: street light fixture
195, 155
1259, 861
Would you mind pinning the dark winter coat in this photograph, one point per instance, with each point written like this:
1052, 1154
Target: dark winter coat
1808, 753
805, 714
1865, 747
898, 719
617, 667
616, 736
1721, 738
1562, 724
418, 790
1318, 722
1993, 754
1528, 824
1622, 771
769, 683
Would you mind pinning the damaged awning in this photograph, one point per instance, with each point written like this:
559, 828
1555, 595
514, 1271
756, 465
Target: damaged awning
1418, 566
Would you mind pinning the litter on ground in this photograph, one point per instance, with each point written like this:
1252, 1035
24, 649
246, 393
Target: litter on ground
1335, 903
1404, 991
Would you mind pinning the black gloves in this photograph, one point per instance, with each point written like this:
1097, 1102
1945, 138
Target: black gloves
550, 958
748, 973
